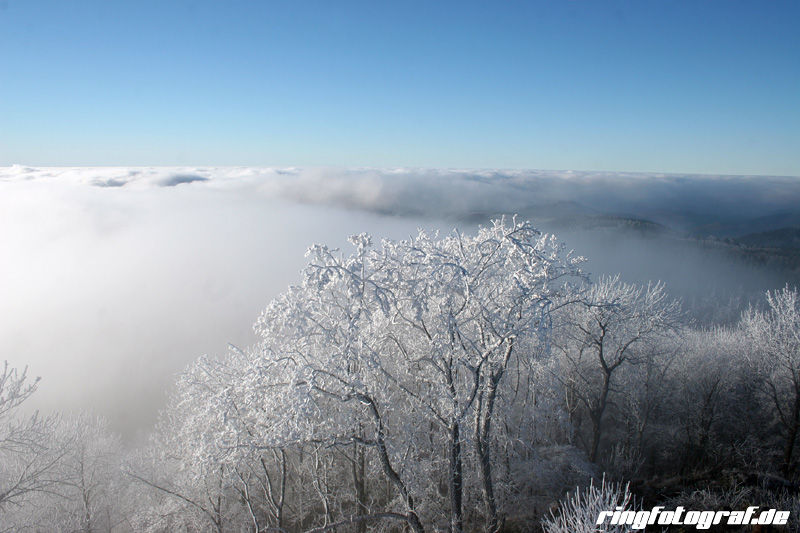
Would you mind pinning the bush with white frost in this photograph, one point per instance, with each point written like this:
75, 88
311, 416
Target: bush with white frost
580, 510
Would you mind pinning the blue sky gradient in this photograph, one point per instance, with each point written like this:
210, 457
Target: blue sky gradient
662, 86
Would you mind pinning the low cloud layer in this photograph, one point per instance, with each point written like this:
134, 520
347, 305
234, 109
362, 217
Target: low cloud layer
459, 193
113, 279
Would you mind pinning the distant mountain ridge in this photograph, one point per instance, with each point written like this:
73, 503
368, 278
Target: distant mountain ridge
779, 238
747, 226
778, 230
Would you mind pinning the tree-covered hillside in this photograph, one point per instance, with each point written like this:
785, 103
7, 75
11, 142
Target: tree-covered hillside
458, 383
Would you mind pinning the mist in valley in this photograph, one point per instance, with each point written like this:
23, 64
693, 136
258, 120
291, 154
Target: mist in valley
195, 344
114, 279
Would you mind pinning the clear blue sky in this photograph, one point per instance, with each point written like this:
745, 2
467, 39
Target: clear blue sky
648, 85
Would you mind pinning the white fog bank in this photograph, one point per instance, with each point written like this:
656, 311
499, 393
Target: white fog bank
113, 279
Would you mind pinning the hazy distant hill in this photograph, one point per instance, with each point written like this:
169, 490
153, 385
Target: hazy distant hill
684, 220
569, 215
549, 211
594, 222
697, 253
716, 276
748, 226
779, 238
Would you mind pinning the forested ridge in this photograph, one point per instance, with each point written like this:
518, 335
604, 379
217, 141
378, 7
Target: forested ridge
440, 383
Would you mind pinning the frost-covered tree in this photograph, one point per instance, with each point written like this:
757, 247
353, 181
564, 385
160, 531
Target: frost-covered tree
55, 473
29, 453
711, 398
187, 476
384, 371
613, 326
644, 393
86, 493
775, 337
228, 435
412, 340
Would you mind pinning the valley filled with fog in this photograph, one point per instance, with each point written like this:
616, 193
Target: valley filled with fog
115, 280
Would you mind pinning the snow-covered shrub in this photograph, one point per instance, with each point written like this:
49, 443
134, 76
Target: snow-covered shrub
580, 510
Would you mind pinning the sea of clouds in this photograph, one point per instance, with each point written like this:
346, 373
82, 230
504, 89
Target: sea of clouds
113, 279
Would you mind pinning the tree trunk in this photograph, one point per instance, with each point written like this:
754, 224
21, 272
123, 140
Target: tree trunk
359, 481
388, 469
596, 415
456, 480
483, 425
793, 427
282, 489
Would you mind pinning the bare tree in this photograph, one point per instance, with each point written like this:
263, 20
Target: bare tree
612, 327
704, 386
29, 452
775, 337
384, 370
88, 487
